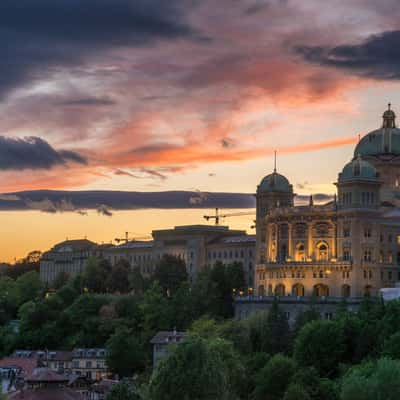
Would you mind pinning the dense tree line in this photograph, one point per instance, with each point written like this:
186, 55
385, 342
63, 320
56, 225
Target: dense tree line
354, 356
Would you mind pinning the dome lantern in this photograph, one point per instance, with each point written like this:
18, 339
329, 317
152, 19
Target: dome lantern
389, 118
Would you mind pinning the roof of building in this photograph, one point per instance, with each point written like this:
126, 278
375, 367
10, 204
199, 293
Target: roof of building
25, 364
358, 170
385, 140
75, 245
135, 244
241, 239
275, 183
56, 355
47, 393
45, 375
89, 353
166, 337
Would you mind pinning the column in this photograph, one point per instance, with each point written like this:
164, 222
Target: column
290, 244
309, 241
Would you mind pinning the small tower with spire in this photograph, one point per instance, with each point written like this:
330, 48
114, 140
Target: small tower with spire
389, 118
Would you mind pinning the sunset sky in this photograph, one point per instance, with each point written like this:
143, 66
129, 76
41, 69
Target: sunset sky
154, 95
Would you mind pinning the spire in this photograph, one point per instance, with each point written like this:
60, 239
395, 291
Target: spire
389, 118
275, 161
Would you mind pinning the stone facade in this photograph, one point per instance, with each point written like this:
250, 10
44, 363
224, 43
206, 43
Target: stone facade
346, 248
196, 245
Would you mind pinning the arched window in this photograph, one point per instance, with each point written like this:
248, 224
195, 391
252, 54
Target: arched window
300, 254
322, 251
368, 290
298, 289
261, 290
346, 291
321, 290
280, 290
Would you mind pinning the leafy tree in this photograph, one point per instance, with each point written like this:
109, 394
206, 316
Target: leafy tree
372, 381
61, 279
269, 331
311, 314
155, 310
124, 390
8, 299
317, 388
28, 287
137, 283
391, 346
125, 354
320, 344
273, 380
118, 278
296, 392
95, 275
197, 369
170, 272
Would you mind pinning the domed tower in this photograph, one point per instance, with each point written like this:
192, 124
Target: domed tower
381, 148
273, 191
358, 185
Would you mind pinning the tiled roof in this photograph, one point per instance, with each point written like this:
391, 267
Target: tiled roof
45, 375
164, 337
26, 364
49, 393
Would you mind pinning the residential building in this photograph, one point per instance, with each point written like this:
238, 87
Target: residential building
162, 341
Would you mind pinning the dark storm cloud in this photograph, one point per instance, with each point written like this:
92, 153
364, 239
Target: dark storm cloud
376, 57
36, 37
33, 153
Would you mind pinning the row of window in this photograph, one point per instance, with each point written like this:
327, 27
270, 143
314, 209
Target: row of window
229, 254
367, 198
368, 274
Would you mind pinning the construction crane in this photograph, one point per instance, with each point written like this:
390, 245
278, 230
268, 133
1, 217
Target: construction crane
127, 239
218, 216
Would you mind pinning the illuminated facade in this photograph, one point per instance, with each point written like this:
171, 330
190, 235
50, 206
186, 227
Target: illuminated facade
347, 247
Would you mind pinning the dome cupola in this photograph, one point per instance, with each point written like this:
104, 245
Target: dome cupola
275, 183
358, 170
383, 141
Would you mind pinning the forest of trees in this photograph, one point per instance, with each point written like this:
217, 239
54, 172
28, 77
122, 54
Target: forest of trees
355, 356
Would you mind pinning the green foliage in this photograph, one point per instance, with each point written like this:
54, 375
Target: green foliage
96, 274
124, 390
137, 283
273, 380
269, 332
311, 314
61, 279
125, 354
391, 347
28, 287
170, 272
117, 281
320, 344
197, 369
372, 381
296, 392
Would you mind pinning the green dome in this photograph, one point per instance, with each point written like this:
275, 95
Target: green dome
385, 140
275, 183
358, 170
